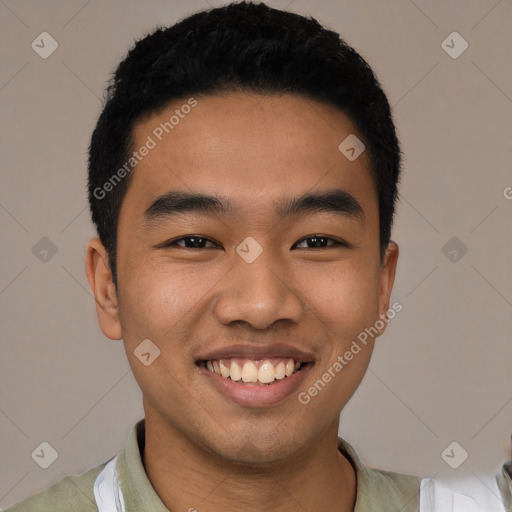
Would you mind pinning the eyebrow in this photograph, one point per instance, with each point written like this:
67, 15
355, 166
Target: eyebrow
334, 201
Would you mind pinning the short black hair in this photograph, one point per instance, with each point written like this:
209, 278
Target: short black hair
243, 46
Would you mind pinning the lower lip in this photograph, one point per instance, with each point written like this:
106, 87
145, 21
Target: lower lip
256, 396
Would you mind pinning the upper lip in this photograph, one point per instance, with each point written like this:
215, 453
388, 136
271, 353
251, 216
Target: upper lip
257, 352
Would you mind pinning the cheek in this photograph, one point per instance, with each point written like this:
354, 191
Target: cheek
154, 298
165, 303
344, 298
158, 306
345, 304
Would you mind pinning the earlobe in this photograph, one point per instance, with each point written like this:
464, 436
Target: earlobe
99, 276
387, 277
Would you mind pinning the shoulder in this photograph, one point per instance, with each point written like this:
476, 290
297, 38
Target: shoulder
398, 482
390, 490
380, 490
71, 493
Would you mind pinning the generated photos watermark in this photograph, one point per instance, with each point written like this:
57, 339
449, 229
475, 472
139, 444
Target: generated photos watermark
305, 397
137, 156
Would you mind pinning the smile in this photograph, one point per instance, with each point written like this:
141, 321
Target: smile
254, 372
239, 379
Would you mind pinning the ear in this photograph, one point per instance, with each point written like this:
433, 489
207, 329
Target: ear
387, 278
99, 276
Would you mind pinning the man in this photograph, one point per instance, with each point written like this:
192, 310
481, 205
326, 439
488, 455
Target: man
243, 179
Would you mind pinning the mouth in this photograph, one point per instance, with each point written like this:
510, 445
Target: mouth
252, 378
252, 372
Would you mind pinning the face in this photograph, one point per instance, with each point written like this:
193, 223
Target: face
254, 273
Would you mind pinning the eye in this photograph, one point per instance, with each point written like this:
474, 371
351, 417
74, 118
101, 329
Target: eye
199, 242
319, 242
191, 242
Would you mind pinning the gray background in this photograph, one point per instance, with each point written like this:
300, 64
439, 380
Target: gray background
441, 372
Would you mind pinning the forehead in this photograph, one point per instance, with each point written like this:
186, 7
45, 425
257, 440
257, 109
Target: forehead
255, 149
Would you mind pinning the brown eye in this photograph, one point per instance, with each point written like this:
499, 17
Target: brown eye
319, 242
191, 242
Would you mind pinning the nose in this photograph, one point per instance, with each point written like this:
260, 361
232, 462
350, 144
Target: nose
258, 293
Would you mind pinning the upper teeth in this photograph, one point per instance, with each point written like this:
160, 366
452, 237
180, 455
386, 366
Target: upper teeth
264, 372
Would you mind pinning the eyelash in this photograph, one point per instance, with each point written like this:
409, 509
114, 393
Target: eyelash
174, 243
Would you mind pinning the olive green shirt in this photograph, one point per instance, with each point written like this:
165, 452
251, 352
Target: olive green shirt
377, 491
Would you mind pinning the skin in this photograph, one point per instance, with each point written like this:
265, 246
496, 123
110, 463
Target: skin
254, 150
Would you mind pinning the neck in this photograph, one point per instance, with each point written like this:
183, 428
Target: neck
186, 477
